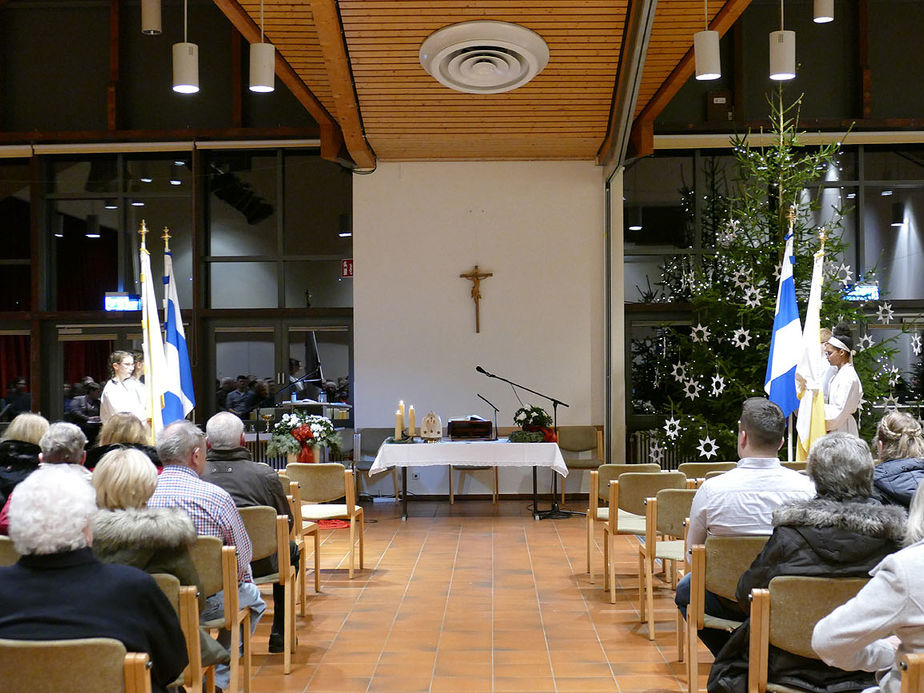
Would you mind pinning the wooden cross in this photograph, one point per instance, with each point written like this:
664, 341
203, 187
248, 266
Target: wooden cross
475, 278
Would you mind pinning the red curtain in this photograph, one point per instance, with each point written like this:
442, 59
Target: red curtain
14, 359
87, 358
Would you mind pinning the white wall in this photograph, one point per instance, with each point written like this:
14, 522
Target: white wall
538, 226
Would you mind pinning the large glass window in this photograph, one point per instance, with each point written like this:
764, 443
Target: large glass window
15, 246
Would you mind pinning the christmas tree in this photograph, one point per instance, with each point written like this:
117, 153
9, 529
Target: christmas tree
697, 376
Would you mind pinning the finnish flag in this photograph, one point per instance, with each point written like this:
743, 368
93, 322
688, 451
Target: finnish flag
179, 398
786, 345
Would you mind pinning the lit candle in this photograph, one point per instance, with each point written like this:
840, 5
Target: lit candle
410, 421
401, 409
399, 424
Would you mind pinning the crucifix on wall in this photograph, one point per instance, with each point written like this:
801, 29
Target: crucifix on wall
475, 278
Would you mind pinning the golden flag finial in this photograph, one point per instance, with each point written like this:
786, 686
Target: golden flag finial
143, 232
166, 238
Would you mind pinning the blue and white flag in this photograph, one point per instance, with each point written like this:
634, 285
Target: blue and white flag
786, 345
155, 368
179, 398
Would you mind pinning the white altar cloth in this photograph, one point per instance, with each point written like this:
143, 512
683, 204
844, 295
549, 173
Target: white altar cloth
492, 453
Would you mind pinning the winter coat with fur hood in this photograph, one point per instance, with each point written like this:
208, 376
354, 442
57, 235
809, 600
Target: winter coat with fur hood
818, 538
156, 540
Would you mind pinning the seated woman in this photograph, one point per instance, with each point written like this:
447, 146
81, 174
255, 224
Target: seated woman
886, 618
900, 444
156, 540
841, 532
19, 451
122, 430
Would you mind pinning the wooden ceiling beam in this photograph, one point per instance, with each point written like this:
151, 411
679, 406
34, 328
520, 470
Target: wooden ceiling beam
331, 135
642, 136
333, 48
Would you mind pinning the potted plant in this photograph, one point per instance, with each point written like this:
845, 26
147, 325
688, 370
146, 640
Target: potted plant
535, 426
297, 435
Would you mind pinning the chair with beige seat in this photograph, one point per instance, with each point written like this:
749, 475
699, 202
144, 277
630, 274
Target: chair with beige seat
269, 535
697, 471
784, 615
8, 553
665, 527
366, 444
184, 600
216, 566
84, 665
600, 491
628, 494
468, 469
581, 447
299, 533
319, 485
717, 567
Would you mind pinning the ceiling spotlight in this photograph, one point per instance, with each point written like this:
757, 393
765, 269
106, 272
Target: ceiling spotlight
898, 214
824, 11
111, 204
782, 52
886, 193
185, 62
706, 50
137, 203
150, 17
262, 63
175, 175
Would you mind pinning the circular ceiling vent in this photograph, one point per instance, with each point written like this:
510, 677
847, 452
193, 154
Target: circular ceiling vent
484, 57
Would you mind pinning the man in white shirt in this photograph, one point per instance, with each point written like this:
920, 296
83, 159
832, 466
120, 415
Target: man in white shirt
742, 500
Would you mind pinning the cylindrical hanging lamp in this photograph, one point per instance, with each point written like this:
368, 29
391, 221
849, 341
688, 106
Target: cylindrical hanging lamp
898, 214
824, 11
150, 17
782, 55
706, 49
185, 62
262, 67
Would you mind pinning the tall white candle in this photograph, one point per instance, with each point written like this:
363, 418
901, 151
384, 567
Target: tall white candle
399, 425
410, 421
401, 409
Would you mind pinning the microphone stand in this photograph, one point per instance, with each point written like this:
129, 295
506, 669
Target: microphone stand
495, 415
554, 512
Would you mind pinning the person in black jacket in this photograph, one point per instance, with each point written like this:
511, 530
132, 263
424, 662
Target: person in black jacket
19, 451
58, 590
842, 532
900, 448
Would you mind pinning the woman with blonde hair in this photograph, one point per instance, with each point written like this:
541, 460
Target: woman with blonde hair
900, 456
155, 540
19, 451
123, 430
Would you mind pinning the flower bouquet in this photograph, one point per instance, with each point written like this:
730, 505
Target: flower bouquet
298, 434
535, 424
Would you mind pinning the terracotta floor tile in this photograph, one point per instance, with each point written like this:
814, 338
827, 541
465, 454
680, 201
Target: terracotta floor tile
526, 684
443, 684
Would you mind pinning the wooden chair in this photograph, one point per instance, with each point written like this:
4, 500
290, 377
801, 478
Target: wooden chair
575, 442
269, 535
599, 490
717, 567
184, 600
366, 443
697, 471
468, 469
84, 665
912, 667
321, 483
217, 569
8, 553
665, 516
784, 615
299, 533
626, 514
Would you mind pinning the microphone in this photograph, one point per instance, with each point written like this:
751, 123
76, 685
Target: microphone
481, 370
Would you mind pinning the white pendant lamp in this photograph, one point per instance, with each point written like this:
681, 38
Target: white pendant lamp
782, 52
262, 63
185, 63
706, 50
824, 11
150, 17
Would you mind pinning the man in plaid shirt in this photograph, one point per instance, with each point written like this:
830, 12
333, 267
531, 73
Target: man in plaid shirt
181, 448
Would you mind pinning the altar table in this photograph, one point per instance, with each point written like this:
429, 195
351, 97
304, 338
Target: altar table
475, 453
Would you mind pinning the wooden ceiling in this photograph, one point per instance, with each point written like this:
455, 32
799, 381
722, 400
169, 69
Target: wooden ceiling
359, 60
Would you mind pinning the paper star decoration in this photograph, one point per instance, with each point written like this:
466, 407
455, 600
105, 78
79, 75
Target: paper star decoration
885, 313
776, 271
843, 274
752, 297
730, 233
707, 448
691, 389
866, 341
742, 338
890, 403
861, 405
679, 372
672, 427
655, 453
741, 278
893, 376
718, 385
700, 333
916, 344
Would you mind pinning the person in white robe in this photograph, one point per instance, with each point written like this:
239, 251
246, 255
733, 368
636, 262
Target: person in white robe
122, 391
844, 389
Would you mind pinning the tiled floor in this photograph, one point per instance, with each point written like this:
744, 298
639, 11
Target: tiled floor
474, 597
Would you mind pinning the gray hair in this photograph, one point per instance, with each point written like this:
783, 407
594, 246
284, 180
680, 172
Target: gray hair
177, 442
63, 443
914, 529
224, 430
841, 466
51, 509
763, 421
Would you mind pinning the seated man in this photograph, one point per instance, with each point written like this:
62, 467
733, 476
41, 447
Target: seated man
242, 400
741, 501
229, 465
181, 449
59, 591
84, 410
